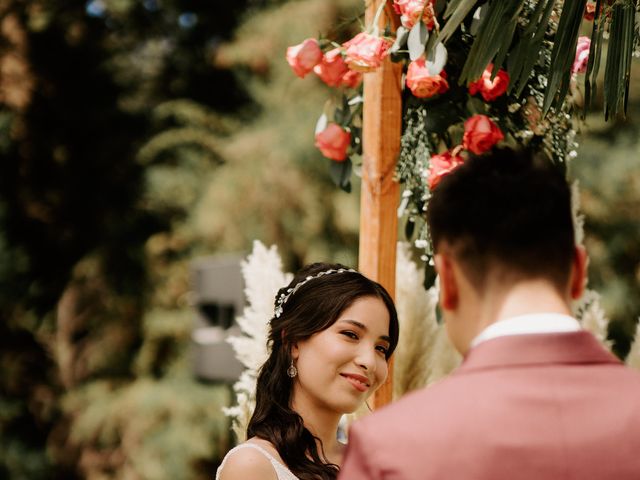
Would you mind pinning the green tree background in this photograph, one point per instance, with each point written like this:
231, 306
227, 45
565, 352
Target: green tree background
136, 136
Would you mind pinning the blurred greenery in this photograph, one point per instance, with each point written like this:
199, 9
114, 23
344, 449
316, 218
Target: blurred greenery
136, 136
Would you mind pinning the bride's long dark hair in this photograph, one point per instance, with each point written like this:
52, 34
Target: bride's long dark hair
314, 307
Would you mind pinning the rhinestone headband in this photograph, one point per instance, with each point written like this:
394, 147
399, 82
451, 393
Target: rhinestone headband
282, 299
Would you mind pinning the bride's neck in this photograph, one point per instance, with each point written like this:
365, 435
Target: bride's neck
323, 424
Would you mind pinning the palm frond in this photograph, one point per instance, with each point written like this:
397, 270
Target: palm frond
494, 38
618, 69
563, 54
595, 54
527, 51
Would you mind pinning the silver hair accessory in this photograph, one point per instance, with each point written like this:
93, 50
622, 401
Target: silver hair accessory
292, 371
282, 299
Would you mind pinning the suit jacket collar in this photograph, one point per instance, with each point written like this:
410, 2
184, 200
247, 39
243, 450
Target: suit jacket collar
537, 349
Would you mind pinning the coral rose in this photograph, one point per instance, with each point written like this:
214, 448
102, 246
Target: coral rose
582, 55
351, 79
410, 12
421, 83
304, 57
332, 68
440, 165
333, 142
365, 52
490, 89
480, 134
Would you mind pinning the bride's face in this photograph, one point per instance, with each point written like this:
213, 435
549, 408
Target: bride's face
338, 368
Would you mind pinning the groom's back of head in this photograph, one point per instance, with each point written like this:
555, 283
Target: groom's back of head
509, 209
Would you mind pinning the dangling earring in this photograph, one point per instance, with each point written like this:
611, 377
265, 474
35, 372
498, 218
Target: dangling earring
292, 371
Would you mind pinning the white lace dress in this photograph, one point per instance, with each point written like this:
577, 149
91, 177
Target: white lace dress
282, 472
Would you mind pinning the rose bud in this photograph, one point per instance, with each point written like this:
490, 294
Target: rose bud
490, 89
304, 57
365, 52
333, 142
421, 83
440, 165
332, 68
410, 12
480, 134
582, 55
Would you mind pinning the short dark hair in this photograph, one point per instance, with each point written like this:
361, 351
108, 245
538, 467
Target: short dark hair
314, 307
508, 208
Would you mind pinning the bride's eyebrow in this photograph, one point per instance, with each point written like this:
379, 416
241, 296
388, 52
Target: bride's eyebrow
362, 326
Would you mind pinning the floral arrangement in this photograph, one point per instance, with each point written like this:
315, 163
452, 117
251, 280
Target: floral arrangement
475, 74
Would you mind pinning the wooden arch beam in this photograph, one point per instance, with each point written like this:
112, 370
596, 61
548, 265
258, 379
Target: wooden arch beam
382, 124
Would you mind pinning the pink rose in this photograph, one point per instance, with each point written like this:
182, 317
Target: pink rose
304, 57
351, 79
440, 165
490, 89
333, 142
365, 52
421, 83
410, 12
332, 68
582, 55
480, 134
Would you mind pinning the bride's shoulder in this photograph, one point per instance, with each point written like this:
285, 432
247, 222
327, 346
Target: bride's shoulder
248, 460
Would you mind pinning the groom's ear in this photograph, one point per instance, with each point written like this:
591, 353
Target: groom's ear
578, 279
448, 283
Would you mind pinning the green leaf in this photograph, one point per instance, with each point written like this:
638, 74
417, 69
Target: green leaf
401, 39
341, 174
409, 228
495, 34
563, 53
527, 51
456, 12
595, 54
618, 68
417, 40
321, 124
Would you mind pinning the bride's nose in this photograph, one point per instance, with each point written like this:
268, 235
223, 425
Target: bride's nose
366, 358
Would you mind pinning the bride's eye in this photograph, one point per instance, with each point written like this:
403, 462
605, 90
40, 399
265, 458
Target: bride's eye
350, 334
383, 349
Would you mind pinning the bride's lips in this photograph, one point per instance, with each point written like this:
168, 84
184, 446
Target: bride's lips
359, 382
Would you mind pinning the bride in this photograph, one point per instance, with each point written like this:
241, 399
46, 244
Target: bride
330, 339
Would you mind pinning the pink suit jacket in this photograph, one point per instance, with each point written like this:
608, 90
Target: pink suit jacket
526, 407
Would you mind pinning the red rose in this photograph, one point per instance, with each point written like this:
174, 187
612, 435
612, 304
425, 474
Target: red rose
351, 79
421, 83
304, 57
582, 55
410, 12
333, 142
480, 134
365, 52
440, 165
589, 11
490, 89
332, 68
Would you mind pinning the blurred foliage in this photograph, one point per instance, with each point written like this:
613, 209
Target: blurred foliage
136, 136
609, 175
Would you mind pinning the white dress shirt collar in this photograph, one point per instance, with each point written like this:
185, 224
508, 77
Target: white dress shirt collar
527, 325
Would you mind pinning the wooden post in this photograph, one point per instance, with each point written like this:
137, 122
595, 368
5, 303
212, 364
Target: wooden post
382, 118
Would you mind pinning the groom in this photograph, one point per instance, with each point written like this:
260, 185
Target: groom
536, 397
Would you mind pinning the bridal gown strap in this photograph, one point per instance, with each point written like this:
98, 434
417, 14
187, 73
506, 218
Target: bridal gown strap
282, 472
